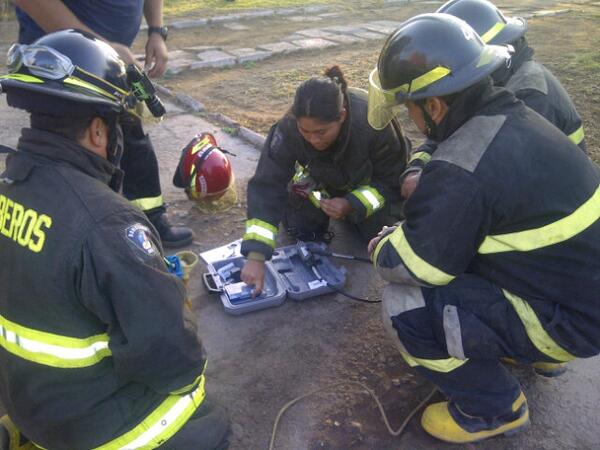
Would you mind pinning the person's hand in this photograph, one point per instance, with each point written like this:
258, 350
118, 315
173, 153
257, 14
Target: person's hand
125, 54
375, 241
336, 208
409, 184
156, 56
253, 274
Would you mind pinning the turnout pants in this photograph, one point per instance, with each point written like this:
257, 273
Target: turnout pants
455, 335
141, 184
304, 217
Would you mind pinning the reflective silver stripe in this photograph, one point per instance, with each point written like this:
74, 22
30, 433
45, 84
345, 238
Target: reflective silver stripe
468, 144
257, 229
452, 332
371, 198
529, 76
54, 350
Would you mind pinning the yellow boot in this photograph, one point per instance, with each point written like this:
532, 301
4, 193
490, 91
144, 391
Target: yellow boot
10, 437
544, 369
447, 423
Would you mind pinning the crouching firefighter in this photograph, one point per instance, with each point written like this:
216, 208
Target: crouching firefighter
322, 161
498, 253
96, 348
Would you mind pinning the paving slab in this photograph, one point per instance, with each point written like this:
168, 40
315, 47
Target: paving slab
546, 13
250, 54
344, 29
305, 18
235, 26
330, 15
227, 18
315, 9
279, 48
380, 28
213, 58
179, 54
314, 33
258, 13
287, 11
314, 43
183, 24
345, 39
176, 66
369, 35
201, 48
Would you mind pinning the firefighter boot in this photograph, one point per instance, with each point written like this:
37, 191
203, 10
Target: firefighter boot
171, 236
447, 422
544, 369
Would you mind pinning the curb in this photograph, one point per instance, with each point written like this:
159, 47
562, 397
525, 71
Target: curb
191, 105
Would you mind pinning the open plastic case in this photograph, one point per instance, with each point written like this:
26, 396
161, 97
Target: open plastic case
286, 275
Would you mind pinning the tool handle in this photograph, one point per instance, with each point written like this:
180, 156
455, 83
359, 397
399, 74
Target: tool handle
211, 284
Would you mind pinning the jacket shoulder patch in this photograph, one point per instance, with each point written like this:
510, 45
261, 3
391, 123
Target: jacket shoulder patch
139, 237
468, 144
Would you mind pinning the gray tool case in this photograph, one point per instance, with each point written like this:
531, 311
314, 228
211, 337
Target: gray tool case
286, 275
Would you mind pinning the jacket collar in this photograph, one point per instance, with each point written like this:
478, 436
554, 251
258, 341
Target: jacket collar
479, 99
43, 146
523, 53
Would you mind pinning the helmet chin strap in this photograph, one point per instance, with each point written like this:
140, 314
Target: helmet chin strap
430, 126
114, 149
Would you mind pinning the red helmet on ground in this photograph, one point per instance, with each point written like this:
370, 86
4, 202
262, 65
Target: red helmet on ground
204, 171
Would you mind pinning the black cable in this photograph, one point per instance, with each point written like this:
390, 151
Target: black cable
338, 290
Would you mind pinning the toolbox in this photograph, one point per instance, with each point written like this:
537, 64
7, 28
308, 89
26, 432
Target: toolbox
293, 272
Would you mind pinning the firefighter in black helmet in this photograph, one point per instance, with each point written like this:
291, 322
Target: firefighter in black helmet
477, 270
96, 347
529, 80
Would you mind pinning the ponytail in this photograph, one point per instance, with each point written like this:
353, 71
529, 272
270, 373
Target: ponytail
321, 98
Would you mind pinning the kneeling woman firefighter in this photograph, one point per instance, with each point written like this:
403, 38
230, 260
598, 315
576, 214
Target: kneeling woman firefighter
322, 160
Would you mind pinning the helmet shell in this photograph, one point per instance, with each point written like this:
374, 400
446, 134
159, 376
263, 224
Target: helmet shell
487, 20
203, 171
102, 86
430, 41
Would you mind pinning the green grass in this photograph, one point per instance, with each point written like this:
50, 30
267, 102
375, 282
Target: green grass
177, 7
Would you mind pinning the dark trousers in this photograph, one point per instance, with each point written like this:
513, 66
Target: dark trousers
207, 429
468, 320
302, 215
141, 183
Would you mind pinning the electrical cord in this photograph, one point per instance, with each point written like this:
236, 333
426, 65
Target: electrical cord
384, 417
338, 290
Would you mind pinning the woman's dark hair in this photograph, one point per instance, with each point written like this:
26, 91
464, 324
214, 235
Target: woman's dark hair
321, 98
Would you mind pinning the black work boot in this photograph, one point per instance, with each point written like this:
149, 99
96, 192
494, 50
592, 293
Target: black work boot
171, 236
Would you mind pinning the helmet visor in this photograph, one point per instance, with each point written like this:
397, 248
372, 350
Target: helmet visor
39, 60
383, 103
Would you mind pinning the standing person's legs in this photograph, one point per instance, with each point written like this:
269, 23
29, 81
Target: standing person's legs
454, 336
141, 185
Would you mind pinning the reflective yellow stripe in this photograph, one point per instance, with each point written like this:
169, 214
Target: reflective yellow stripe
424, 80
418, 266
538, 336
264, 232
103, 81
370, 198
423, 156
577, 136
84, 84
553, 233
492, 32
437, 365
161, 424
52, 349
22, 77
146, 204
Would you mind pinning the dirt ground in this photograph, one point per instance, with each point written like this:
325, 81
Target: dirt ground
259, 362
257, 94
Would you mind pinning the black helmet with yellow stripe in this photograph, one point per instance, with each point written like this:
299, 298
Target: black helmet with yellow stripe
67, 70
487, 20
430, 55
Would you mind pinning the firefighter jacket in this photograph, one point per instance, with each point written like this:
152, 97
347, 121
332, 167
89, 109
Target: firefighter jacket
363, 165
506, 196
96, 348
539, 89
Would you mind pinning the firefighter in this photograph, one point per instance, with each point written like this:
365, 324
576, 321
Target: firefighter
96, 347
529, 80
322, 161
118, 22
498, 253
